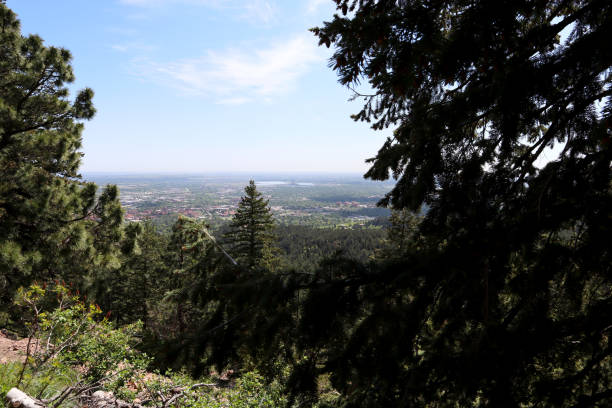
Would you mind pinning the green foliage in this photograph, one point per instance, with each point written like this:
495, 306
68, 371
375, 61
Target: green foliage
74, 351
251, 231
181, 292
504, 297
179, 390
187, 242
42, 384
9, 372
51, 223
505, 301
251, 392
501, 295
304, 247
402, 233
71, 340
190, 258
132, 291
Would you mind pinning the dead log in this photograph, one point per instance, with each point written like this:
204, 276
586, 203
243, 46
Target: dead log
19, 399
99, 399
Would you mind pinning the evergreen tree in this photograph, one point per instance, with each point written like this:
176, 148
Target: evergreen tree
304, 247
190, 298
51, 223
402, 233
507, 299
187, 247
251, 231
131, 291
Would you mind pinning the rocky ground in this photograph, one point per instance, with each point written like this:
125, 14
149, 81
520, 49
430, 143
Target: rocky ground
11, 349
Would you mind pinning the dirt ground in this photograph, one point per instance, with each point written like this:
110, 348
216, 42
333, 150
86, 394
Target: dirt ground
12, 350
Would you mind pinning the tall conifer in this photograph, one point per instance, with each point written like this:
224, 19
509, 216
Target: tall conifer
506, 301
251, 233
51, 223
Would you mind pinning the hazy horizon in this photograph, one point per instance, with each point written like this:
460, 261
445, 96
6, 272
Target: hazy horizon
232, 177
220, 173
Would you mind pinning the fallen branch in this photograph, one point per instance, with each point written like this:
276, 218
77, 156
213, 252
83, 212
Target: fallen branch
181, 392
99, 399
20, 399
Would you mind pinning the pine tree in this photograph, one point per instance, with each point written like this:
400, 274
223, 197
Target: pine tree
507, 299
251, 231
190, 297
51, 223
402, 233
141, 281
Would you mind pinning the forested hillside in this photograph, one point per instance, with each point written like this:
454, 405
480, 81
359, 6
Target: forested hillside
303, 247
499, 295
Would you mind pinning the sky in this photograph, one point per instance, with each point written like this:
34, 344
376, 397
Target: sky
189, 86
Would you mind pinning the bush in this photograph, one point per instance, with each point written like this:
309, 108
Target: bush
72, 350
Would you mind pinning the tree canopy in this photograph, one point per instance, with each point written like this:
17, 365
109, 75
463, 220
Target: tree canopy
250, 234
502, 294
499, 295
507, 301
52, 225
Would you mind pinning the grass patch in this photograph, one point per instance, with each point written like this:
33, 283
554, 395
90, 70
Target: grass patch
44, 384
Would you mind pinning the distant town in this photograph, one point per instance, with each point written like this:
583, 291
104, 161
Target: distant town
326, 201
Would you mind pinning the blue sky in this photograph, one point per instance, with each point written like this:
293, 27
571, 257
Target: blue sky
206, 85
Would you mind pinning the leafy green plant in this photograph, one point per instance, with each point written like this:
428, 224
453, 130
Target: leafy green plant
8, 376
73, 342
251, 391
42, 384
178, 389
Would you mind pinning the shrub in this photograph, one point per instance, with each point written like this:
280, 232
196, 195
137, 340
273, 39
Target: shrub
72, 346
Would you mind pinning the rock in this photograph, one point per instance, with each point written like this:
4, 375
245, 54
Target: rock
9, 335
103, 399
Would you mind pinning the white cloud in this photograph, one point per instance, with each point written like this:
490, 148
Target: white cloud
132, 46
233, 101
155, 3
313, 5
252, 10
258, 10
238, 76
